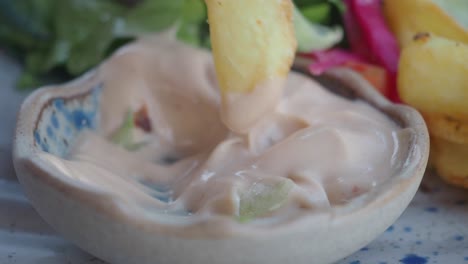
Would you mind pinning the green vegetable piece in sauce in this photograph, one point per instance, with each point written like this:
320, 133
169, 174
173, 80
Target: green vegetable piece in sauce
263, 198
124, 134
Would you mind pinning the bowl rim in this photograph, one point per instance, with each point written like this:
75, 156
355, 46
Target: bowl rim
25, 155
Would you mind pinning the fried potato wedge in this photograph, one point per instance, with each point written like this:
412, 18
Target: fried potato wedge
433, 75
408, 17
252, 41
450, 161
254, 45
452, 128
433, 78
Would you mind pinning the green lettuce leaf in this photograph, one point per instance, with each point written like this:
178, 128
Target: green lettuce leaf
153, 16
312, 36
305, 3
190, 24
86, 28
29, 18
319, 13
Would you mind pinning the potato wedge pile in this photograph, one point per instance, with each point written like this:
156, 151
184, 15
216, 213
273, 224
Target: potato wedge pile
253, 42
433, 77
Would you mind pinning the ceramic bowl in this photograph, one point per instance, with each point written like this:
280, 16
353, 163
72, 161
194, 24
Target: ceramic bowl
52, 117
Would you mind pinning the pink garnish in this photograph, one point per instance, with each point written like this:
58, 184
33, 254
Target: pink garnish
354, 33
370, 38
324, 60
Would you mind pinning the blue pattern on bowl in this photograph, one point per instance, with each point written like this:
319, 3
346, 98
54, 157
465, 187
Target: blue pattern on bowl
63, 118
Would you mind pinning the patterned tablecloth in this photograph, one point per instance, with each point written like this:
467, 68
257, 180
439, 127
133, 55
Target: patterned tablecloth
434, 228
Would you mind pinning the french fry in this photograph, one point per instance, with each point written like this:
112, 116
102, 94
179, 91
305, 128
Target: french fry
449, 127
433, 75
254, 45
449, 159
252, 40
433, 78
408, 17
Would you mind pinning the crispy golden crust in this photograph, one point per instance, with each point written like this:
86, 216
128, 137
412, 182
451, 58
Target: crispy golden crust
450, 127
450, 160
453, 179
433, 75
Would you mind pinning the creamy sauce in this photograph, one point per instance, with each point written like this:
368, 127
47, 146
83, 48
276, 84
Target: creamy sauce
326, 148
257, 103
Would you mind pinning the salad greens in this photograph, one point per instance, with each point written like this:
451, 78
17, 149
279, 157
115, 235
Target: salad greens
72, 36
311, 36
77, 34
